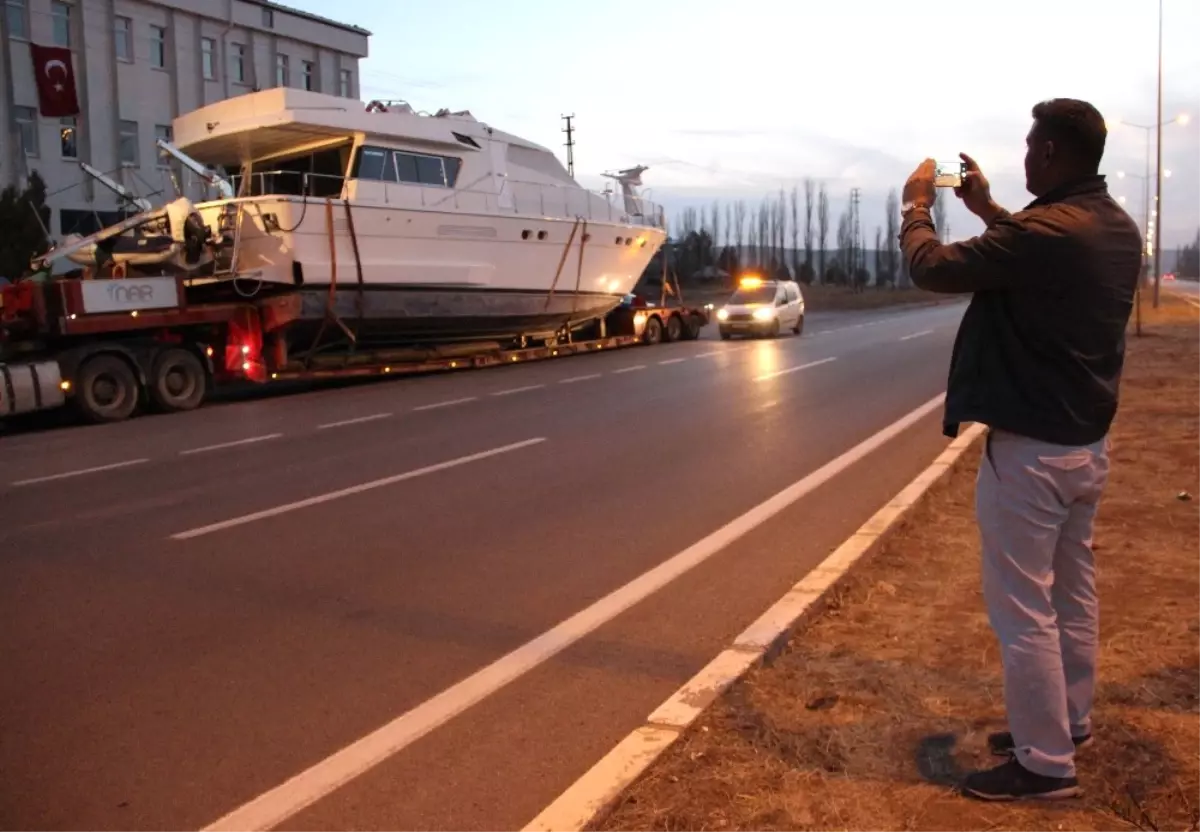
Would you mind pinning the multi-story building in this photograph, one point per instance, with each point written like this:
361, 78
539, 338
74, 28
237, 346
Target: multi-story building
137, 65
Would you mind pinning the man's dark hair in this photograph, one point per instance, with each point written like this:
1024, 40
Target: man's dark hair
1075, 127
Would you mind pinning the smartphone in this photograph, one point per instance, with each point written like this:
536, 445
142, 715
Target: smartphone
950, 174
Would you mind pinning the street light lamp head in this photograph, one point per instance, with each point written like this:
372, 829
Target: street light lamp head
1166, 174
1121, 200
1120, 174
1183, 118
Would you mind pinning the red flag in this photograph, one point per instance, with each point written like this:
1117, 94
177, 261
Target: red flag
55, 76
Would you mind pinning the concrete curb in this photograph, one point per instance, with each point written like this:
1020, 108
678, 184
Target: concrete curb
590, 797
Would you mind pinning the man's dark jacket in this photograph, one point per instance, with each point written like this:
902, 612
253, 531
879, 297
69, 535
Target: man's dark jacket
1040, 348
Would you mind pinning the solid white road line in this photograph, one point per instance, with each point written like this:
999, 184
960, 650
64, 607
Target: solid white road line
795, 369
232, 444
354, 489
920, 334
672, 361
629, 369
449, 403
285, 800
524, 389
574, 379
356, 421
81, 471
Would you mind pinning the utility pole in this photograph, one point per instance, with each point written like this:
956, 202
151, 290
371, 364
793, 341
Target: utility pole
1158, 224
570, 131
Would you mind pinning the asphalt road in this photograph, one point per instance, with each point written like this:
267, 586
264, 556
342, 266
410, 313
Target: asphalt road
198, 607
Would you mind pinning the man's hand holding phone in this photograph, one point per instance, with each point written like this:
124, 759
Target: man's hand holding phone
976, 193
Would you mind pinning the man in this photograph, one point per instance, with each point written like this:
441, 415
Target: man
1038, 360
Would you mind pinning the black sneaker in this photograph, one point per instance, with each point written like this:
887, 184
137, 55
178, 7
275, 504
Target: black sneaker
1001, 743
1012, 781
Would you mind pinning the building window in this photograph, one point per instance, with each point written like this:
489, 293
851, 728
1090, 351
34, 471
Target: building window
281, 70
61, 16
307, 68
27, 129
162, 132
158, 46
68, 137
208, 58
127, 148
237, 62
123, 38
18, 18
344, 84
268, 18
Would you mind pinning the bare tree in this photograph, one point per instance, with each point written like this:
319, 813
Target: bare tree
795, 206
808, 227
764, 232
739, 229
891, 255
822, 231
939, 215
715, 221
880, 277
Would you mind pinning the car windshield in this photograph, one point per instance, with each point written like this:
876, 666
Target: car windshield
756, 294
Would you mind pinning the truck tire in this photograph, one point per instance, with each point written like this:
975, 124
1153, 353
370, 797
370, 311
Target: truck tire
653, 333
691, 327
177, 380
673, 330
106, 389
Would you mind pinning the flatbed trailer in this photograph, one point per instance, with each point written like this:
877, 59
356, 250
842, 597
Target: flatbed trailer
112, 348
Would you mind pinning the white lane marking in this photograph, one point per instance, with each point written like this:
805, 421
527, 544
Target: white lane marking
354, 489
723, 351
448, 403
285, 800
818, 363
524, 389
250, 441
629, 369
672, 360
574, 379
81, 471
356, 421
920, 334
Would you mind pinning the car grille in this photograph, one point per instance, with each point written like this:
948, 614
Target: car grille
740, 317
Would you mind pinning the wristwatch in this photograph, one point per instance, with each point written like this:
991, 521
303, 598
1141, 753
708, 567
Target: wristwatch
908, 207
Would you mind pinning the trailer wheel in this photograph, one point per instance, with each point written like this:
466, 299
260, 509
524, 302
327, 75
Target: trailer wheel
177, 380
653, 333
674, 329
106, 389
691, 327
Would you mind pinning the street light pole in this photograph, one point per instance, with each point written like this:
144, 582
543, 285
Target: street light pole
1159, 173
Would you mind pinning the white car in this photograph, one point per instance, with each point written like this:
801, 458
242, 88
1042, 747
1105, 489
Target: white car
762, 307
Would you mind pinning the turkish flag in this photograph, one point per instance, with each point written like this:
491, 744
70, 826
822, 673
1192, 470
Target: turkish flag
55, 76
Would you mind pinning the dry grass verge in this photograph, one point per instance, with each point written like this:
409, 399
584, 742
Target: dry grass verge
885, 700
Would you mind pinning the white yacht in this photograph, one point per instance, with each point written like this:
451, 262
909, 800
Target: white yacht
428, 227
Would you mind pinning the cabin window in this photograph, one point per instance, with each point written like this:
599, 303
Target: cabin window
383, 165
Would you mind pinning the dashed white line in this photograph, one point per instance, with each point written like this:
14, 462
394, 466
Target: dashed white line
356, 421
629, 369
275, 806
524, 389
917, 335
574, 379
354, 489
249, 441
81, 471
672, 361
449, 403
818, 363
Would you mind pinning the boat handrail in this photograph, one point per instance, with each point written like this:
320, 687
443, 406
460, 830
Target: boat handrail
518, 197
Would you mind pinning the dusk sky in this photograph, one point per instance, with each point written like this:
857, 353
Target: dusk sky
727, 100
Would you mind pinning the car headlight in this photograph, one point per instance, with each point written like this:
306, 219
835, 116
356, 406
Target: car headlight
639, 318
764, 314
722, 314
